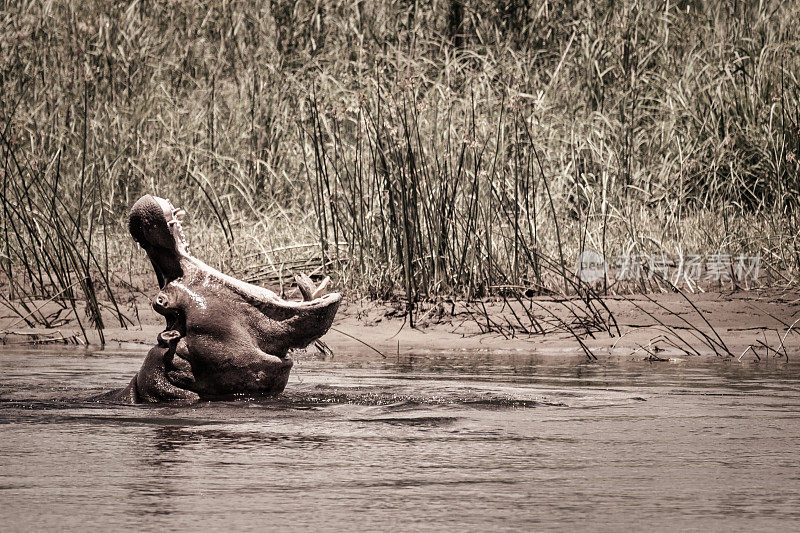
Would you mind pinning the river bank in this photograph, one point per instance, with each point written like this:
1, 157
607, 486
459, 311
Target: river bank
756, 325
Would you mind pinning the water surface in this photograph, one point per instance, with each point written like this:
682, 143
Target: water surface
426, 441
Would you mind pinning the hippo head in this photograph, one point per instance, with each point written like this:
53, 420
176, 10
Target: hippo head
223, 336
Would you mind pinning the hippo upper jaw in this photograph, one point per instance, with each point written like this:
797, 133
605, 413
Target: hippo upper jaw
154, 223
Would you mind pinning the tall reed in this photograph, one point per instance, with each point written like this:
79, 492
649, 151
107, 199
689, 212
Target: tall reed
431, 153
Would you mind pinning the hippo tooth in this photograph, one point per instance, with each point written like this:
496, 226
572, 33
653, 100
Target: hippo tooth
321, 289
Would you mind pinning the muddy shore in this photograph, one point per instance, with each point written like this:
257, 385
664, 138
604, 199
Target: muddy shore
756, 325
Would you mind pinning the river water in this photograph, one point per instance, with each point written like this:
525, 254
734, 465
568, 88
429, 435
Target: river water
426, 441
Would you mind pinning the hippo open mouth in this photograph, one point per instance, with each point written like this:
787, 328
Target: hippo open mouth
223, 336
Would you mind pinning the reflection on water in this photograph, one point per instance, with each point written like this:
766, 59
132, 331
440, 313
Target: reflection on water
424, 441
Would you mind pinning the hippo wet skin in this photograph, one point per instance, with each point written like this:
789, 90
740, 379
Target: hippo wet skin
223, 336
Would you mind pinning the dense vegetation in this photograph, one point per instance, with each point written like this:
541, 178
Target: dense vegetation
457, 148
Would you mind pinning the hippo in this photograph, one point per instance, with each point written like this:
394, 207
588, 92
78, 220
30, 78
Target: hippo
223, 337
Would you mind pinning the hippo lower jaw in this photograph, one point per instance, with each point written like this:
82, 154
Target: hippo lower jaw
250, 354
311, 321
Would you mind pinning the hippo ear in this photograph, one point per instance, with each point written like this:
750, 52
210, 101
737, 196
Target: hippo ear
168, 337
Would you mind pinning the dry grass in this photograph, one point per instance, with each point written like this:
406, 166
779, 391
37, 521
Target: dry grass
463, 166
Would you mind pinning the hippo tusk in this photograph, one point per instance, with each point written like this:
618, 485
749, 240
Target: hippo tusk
321, 289
308, 289
306, 286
